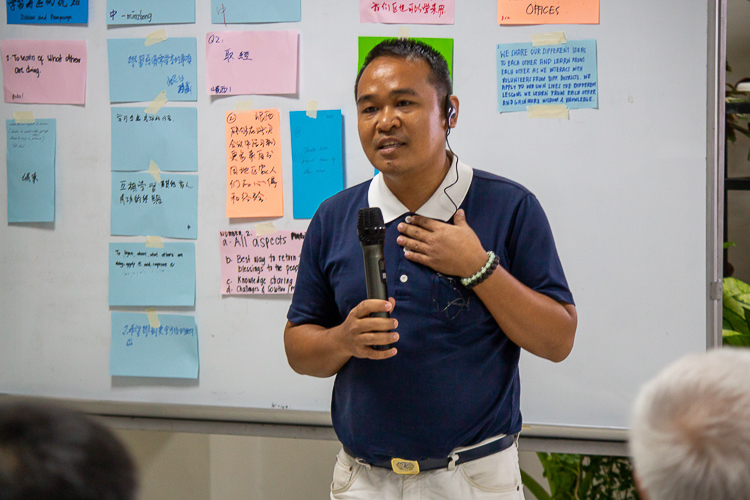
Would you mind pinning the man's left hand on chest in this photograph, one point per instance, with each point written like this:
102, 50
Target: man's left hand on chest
450, 249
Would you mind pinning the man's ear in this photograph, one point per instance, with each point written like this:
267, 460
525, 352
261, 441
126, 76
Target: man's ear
451, 110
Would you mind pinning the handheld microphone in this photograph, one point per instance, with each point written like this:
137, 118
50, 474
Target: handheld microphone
371, 232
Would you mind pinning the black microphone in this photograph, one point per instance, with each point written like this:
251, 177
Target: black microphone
371, 232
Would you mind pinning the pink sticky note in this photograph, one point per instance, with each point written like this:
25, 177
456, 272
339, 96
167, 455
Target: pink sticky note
373, 11
44, 71
259, 264
251, 62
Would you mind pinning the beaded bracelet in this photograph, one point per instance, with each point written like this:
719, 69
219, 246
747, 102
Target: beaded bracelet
484, 273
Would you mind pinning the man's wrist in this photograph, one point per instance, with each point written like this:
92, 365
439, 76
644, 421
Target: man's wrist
487, 269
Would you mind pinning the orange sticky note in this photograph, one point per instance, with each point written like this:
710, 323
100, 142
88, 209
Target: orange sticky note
548, 12
254, 186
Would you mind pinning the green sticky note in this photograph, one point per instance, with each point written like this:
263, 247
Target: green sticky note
442, 45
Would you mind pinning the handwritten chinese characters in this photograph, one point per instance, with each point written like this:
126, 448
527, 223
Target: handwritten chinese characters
254, 187
43, 71
259, 264
511, 12
139, 349
373, 11
31, 170
149, 12
141, 276
47, 11
142, 205
251, 62
557, 74
139, 73
168, 137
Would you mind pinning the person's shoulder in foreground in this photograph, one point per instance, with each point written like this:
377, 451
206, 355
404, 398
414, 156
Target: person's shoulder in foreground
52, 453
690, 429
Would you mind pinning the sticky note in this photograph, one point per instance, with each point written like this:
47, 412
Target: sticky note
251, 62
254, 164
47, 12
141, 276
169, 138
31, 149
510, 12
143, 206
150, 12
441, 12
442, 45
139, 349
557, 74
255, 11
259, 264
317, 166
44, 71
138, 73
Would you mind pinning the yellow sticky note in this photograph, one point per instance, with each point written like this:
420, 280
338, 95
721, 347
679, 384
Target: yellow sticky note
312, 109
155, 37
244, 105
554, 38
154, 242
157, 103
264, 228
153, 169
548, 111
510, 12
153, 318
254, 187
23, 116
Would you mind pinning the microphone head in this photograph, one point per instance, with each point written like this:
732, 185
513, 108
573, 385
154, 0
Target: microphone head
370, 226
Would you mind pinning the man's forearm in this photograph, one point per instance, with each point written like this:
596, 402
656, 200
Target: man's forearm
311, 350
533, 321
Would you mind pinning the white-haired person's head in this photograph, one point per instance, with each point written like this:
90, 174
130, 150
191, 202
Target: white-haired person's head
690, 429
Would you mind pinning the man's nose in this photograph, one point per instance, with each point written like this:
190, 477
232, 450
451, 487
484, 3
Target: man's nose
389, 118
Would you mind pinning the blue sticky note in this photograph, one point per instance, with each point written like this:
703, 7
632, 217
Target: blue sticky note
141, 350
317, 166
141, 276
553, 74
169, 138
48, 12
139, 73
255, 11
143, 206
31, 170
150, 12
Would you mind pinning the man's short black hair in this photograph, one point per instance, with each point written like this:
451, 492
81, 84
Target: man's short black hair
52, 453
413, 50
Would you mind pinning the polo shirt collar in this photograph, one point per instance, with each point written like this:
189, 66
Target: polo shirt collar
439, 205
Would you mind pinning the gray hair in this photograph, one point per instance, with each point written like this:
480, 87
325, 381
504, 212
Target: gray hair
690, 429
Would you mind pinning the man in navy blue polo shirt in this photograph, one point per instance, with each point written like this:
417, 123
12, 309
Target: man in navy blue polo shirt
474, 277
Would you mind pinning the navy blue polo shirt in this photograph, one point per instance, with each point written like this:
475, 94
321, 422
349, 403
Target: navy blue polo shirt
454, 381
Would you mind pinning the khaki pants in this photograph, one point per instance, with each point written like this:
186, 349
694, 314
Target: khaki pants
496, 477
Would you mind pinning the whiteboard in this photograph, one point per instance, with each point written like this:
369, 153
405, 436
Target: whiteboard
628, 189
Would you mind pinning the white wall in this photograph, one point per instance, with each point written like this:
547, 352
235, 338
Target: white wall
738, 202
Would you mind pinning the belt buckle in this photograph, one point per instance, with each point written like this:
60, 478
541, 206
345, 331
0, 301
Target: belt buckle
404, 467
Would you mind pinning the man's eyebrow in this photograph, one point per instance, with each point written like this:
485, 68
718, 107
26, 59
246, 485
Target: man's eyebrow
394, 92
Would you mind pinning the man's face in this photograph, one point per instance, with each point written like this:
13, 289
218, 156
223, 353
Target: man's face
401, 123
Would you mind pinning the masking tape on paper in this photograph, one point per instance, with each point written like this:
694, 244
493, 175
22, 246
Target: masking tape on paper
154, 242
155, 37
312, 109
265, 228
153, 169
157, 103
23, 116
244, 105
153, 318
548, 111
403, 32
554, 38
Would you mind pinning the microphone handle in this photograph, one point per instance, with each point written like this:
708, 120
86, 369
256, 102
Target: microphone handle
375, 280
